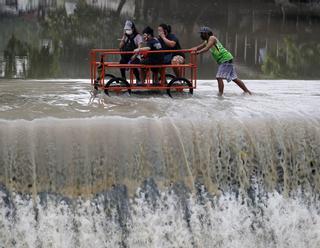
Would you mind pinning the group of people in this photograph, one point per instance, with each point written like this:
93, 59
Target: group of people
133, 41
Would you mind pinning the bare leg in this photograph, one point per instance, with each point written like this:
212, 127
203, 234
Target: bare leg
177, 71
124, 60
177, 60
155, 75
220, 86
242, 85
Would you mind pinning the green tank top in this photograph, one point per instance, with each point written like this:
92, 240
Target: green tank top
220, 54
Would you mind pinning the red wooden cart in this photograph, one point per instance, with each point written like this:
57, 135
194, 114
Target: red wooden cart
104, 61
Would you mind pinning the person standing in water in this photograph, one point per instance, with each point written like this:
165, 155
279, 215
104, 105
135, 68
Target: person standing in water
224, 58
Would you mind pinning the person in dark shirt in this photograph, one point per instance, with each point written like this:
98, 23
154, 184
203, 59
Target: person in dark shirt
170, 42
152, 44
130, 40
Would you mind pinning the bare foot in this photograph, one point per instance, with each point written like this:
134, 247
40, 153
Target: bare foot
220, 94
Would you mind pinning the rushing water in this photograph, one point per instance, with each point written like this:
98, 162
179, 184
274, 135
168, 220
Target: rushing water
147, 170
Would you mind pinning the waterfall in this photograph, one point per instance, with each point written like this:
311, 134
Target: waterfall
82, 157
148, 182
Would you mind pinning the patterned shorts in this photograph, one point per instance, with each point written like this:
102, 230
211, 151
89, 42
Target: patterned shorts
177, 60
227, 71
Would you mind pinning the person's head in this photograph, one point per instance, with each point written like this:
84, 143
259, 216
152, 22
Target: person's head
205, 33
164, 28
147, 33
130, 28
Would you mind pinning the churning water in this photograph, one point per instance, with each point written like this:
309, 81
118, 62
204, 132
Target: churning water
149, 171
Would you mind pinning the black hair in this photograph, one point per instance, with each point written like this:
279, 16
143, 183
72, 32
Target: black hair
148, 30
166, 27
134, 29
205, 38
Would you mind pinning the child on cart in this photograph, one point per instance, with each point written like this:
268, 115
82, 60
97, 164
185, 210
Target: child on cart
152, 44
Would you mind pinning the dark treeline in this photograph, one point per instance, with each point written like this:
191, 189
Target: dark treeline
269, 38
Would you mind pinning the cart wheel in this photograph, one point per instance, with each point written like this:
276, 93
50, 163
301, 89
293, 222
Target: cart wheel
117, 82
168, 77
179, 85
107, 77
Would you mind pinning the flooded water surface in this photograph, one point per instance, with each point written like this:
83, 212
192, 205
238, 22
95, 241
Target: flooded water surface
45, 39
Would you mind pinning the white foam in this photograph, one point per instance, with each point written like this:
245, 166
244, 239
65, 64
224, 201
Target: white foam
274, 221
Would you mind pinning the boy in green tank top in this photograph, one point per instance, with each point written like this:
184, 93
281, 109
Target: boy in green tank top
226, 69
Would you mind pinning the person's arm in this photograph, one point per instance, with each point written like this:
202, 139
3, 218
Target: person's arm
138, 50
139, 43
197, 48
142, 49
122, 41
169, 43
211, 41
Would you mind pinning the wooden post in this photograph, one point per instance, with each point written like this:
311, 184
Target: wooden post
245, 48
255, 51
236, 45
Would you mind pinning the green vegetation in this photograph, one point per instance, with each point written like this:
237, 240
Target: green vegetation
57, 43
41, 63
14, 48
70, 38
294, 60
